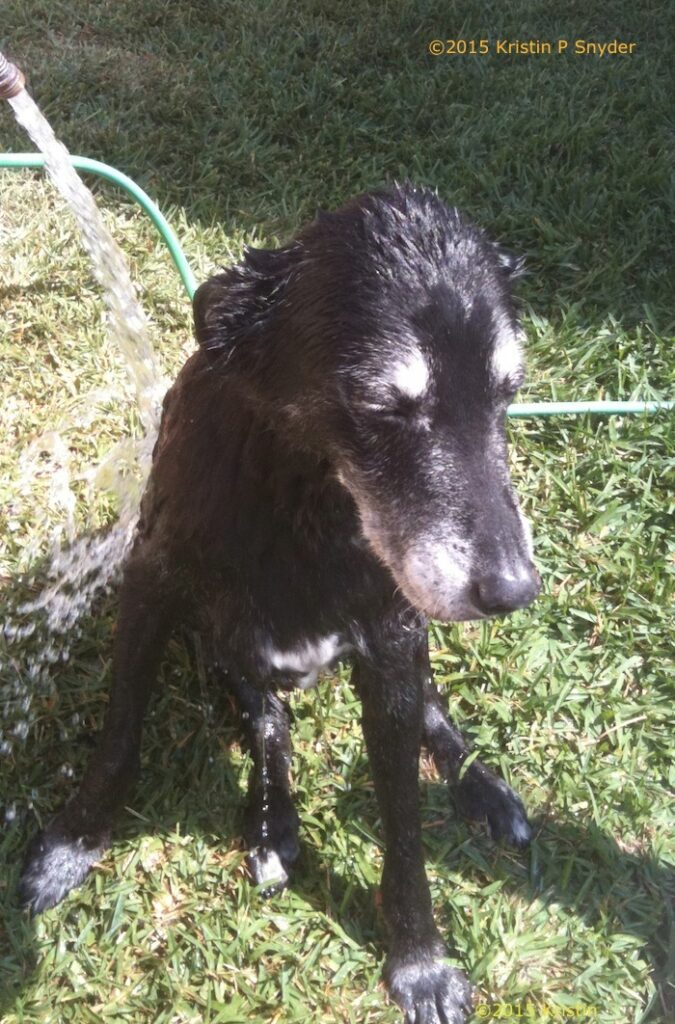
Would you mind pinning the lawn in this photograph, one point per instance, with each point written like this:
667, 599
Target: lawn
241, 118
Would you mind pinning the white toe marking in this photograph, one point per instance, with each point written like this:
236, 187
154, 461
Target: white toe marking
268, 867
520, 829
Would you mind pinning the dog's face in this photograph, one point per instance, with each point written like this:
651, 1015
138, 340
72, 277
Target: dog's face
423, 453
392, 346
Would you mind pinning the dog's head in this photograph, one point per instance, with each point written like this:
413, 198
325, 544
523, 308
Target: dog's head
385, 338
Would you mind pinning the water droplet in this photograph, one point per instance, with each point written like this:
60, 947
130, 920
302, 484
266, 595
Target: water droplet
264, 821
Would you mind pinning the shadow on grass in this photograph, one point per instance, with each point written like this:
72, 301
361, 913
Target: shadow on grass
246, 116
621, 890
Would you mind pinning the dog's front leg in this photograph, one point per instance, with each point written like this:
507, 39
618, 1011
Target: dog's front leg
60, 857
391, 689
271, 821
479, 794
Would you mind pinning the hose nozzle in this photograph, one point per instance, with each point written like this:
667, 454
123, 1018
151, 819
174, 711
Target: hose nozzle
11, 79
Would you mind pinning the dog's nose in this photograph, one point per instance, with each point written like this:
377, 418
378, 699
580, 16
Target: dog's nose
496, 594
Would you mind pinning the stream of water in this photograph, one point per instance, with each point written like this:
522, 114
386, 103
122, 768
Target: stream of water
128, 324
81, 568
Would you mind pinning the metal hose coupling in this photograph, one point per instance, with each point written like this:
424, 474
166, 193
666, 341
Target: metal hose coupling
11, 79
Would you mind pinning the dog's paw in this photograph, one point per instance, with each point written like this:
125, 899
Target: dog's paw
428, 990
271, 834
483, 796
56, 863
267, 869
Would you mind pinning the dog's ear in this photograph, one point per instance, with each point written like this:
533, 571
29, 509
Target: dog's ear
205, 307
513, 266
231, 307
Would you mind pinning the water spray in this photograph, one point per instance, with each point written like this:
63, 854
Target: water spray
79, 568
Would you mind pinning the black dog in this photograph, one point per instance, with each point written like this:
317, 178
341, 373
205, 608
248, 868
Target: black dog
330, 470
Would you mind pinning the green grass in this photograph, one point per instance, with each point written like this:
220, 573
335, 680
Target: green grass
241, 119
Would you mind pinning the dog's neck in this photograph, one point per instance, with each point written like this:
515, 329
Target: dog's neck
297, 477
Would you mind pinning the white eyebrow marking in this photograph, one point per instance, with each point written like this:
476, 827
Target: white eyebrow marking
507, 355
411, 375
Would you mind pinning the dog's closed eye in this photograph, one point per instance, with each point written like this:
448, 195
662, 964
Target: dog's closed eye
394, 408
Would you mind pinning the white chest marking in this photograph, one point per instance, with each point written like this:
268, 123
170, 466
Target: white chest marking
307, 659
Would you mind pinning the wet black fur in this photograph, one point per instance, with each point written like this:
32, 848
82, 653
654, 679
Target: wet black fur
247, 532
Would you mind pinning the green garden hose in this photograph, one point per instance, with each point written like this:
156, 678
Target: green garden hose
83, 163
521, 409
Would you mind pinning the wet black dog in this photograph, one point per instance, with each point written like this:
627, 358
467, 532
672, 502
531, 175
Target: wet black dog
330, 470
